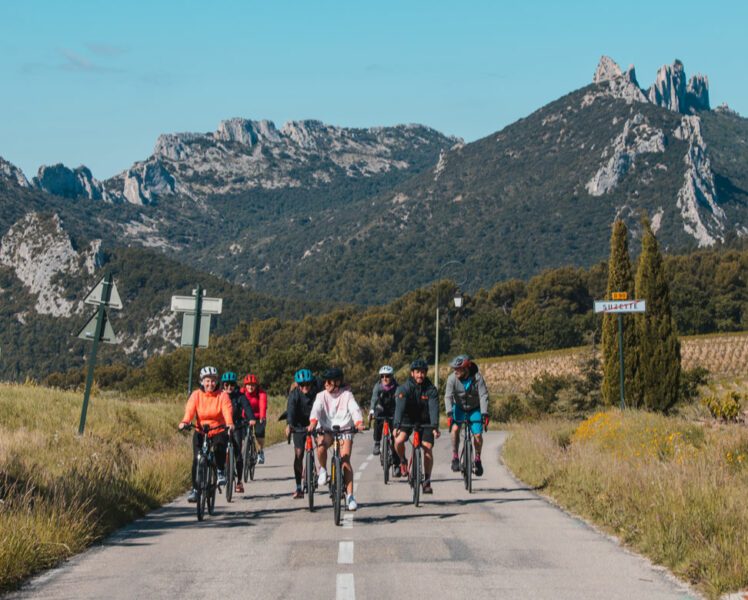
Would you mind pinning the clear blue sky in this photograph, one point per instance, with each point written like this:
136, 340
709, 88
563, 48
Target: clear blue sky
96, 82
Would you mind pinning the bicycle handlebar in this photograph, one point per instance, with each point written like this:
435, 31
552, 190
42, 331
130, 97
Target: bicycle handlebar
205, 428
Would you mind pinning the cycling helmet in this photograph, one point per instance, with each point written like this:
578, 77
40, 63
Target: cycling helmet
419, 363
463, 360
303, 376
208, 372
228, 377
386, 370
332, 374
251, 379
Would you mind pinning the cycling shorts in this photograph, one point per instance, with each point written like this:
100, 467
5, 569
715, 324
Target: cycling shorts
427, 434
299, 439
474, 416
260, 429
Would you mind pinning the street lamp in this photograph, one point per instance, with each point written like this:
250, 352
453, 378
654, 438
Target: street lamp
458, 304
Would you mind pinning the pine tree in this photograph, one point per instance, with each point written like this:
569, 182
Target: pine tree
620, 279
659, 348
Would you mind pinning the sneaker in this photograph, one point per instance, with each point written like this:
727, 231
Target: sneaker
455, 463
322, 479
377, 449
221, 477
261, 457
352, 503
397, 473
404, 468
299, 493
478, 467
427, 487
193, 496
239, 488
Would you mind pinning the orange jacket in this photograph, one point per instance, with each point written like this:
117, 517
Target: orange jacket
212, 409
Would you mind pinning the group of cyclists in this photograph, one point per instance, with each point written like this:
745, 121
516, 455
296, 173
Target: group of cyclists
317, 404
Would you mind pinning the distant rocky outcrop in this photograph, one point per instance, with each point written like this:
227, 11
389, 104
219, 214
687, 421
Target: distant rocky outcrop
12, 173
243, 154
69, 183
670, 89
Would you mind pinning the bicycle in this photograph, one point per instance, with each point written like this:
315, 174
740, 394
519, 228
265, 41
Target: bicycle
309, 474
416, 475
466, 454
387, 452
336, 467
206, 475
249, 454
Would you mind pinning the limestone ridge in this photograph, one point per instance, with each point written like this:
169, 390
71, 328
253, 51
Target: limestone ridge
39, 251
669, 90
69, 183
12, 173
244, 154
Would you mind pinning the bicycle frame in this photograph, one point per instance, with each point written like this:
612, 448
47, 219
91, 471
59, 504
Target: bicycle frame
336, 470
387, 451
466, 454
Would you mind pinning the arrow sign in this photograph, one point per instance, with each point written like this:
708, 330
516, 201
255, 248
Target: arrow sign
186, 304
89, 330
620, 306
94, 296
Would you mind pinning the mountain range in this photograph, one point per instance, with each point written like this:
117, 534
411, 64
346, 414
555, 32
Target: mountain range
328, 214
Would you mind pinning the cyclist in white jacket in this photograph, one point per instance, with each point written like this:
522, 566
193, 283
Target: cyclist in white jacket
335, 405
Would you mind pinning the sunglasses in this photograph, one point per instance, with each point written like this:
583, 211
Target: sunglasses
229, 383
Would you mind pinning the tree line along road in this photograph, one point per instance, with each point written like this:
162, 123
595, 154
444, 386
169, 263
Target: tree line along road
501, 541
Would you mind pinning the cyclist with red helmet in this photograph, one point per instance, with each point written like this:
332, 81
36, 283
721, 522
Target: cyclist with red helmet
242, 411
258, 400
466, 398
417, 403
212, 407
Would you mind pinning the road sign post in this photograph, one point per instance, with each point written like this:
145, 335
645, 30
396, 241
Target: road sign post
620, 304
197, 310
103, 294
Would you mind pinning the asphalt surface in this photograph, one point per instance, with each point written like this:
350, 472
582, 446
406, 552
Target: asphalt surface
501, 541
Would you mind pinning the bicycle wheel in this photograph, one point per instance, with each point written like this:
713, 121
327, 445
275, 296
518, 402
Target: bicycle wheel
337, 498
201, 478
385, 456
252, 458
417, 475
230, 468
468, 466
245, 456
212, 487
309, 477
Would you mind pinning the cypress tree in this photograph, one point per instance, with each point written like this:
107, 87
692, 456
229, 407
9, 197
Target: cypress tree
620, 279
659, 348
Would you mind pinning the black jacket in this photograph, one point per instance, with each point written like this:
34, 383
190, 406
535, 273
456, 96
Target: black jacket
299, 405
241, 407
416, 404
383, 401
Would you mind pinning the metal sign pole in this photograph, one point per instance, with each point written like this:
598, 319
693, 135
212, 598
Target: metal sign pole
620, 354
195, 334
99, 326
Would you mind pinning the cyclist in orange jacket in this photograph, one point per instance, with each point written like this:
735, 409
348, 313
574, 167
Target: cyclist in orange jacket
212, 407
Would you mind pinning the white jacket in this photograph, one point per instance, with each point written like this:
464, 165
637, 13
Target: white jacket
339, 409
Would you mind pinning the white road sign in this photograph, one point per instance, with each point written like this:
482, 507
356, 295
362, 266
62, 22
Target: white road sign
186, 304
620, 306
94, 296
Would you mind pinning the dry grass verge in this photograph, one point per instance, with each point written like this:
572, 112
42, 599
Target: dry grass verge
674, 491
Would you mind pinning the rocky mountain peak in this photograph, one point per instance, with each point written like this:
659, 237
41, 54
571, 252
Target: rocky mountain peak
12, 173
247, 132
69, 183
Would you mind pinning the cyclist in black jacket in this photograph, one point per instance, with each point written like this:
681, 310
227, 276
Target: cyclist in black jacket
298, 408
241, 410
417, 403
382, 402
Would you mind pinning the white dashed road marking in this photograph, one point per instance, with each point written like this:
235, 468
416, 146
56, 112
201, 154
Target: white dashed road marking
345, 589
345, 553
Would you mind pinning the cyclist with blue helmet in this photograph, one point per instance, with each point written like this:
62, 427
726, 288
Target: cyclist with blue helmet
417, 403
466, 398
243, 413
298, 408
382, 403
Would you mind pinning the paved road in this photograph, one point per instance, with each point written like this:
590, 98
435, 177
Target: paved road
503, 541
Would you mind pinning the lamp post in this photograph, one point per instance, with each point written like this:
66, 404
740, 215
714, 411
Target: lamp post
458, 304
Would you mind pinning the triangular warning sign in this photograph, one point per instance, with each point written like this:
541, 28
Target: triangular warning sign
94, 296
89, 330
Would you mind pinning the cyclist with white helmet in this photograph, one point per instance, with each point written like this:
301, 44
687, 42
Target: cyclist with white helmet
466, 398
382, 403
335, 405
298, 408
212, 407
